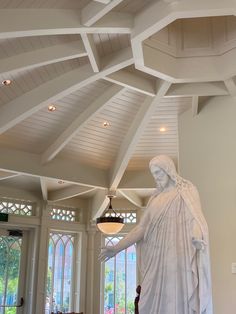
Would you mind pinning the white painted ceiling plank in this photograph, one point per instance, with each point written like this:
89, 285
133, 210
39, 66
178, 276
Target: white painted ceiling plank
29, 103
79, 122
91, 51
195, 105
132, 81
68, 192
231, 86
44, 189
43, 56
94, 11
132, 197
35, 22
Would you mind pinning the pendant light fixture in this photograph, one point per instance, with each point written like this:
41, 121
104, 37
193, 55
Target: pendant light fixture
110, 222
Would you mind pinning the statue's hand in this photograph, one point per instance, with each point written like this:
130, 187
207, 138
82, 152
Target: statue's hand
198, 244
107, 253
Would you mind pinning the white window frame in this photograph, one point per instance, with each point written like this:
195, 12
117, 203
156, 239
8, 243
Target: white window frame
76, 273
102, 279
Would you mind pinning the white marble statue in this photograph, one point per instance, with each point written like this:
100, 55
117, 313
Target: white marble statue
173, 247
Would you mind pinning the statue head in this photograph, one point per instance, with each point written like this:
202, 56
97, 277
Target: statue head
163, 170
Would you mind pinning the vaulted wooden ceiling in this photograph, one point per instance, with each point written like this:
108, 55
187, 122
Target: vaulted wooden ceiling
134, 64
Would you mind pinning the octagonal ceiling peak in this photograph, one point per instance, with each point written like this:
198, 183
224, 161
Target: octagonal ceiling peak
185, 41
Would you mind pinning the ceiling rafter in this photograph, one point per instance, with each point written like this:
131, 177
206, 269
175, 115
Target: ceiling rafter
92, 52
68, 192
7, 175
44, 189
30, 164
80, 121
40, 22
25, 105
42, 56
132, 81
195, 109
231, 86
130, 141
132, 197
197, 89
94, 11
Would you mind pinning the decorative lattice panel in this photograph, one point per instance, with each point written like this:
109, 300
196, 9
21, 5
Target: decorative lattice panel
64, 214
130, 217
16, 207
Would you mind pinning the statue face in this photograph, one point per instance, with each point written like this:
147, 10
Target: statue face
160, 176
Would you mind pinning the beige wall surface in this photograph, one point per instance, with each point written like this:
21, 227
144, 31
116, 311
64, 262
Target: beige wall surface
208, 158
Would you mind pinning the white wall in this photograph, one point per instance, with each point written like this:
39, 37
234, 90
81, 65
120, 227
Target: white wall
208, 159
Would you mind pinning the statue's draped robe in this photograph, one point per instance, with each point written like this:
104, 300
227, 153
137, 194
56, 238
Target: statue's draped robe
175, 276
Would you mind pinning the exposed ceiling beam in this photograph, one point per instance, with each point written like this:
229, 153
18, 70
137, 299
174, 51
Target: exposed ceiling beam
68, 192
133, 81
195, 105
197, 89
25, 105
99, 202
30, 164
132, 197
135, 131
103, 1
42, 56
79, 122
40, 22
44, 189
91, 51
231, 86
94, 11
7, 175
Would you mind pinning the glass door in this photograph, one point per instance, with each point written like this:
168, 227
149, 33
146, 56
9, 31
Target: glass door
12, 270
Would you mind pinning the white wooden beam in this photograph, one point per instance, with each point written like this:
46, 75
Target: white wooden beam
197, 89
132, 197
103, 1
43, 56
94, 11
195, 105
30, 164
25, 105
40, 22
91, 51
7, 175
79, 122
231, 86
135, 131
133, 81
68, 192
99, 203
44, 189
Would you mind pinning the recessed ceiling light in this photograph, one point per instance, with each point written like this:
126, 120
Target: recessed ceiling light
51, 108
106, 124
60, 182
162, 129
6, 82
